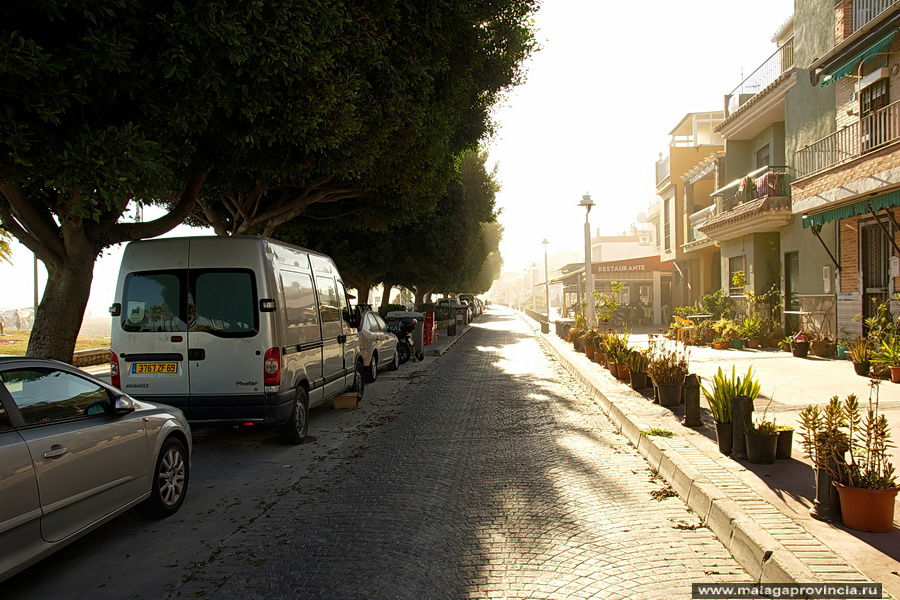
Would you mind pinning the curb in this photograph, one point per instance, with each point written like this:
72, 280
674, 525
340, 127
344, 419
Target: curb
453, 339
753, 547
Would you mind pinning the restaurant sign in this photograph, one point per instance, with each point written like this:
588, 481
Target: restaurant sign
618, 268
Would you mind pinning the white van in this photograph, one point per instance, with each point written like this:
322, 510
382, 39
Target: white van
234, 330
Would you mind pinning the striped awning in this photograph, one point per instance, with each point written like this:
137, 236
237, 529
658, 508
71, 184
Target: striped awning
847, 67
852, 210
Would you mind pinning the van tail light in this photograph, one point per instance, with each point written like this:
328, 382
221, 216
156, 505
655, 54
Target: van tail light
114, 377
272, 367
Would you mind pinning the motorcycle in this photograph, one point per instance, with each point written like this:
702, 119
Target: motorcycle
405, 345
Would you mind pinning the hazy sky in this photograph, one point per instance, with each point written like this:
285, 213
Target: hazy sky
611, 80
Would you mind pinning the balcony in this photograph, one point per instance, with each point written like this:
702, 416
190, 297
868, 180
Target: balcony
697, 238
865, 11
756, 203
870, 133
765, 74
662, 170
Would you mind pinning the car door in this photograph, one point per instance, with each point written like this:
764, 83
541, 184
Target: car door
87, 461
387, 341
349, 335
332, 335
20, 507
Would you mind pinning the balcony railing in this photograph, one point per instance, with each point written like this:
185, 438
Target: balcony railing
870, 133
697, 219
865, 11
780, 61
766, 181
662, 170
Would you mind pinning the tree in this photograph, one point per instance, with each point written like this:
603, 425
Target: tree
5, 249
240, 114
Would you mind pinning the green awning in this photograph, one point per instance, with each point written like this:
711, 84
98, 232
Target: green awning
853, 210
848, 66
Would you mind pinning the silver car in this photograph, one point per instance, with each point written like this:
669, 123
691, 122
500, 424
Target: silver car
76, 452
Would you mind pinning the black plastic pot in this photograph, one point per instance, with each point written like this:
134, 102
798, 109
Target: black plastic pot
724, 437
639, 381
862, 368
669, 393
800, 349
785, 441
761, 448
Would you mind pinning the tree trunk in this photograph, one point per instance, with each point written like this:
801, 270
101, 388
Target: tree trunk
419, 297
386, 294
61, 310
363, 290
428, 297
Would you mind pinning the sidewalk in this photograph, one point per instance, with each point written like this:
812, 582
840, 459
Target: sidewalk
759, 512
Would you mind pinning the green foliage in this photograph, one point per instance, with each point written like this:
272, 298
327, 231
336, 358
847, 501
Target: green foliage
638, 360
859, 350
751, 327
656, 431
724, 389
667, 364
738, 279
608, 302
763, 427
888, 351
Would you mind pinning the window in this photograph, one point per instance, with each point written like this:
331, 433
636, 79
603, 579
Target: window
299, 299
762, 157
876, 128
224, 303
47, 395
735, 267
329, 307
666, 226
153, 301
382, 326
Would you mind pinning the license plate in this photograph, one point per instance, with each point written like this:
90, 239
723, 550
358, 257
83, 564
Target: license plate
145, 368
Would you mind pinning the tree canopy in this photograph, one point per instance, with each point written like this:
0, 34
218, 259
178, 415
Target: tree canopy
239, 114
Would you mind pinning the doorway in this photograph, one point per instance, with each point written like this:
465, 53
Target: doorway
791, 291
874, 256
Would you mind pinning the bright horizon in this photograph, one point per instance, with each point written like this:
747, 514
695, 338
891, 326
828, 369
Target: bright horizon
593, 116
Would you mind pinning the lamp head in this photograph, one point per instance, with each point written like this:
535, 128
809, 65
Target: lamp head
545, 241
586, 201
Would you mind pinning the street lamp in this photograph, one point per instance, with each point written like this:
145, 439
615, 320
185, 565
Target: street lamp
546, 280
587, 203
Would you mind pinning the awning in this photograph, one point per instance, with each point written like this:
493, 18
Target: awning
847, 67
852, 210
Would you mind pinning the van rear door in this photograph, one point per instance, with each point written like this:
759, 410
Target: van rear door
150, 335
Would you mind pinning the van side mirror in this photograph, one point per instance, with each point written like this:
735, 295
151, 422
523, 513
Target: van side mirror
115, 310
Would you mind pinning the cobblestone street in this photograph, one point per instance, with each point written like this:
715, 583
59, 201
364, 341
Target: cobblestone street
498, 477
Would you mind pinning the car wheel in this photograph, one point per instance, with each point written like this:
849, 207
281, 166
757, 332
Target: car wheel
403, 352
170, 480
371, 373
395, 362
296, 428
359, 380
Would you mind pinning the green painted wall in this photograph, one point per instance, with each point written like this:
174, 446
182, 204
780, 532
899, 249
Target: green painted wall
811, 254
738, 159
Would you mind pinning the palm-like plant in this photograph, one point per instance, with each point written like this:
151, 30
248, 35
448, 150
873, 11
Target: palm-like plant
724, 389
5, 248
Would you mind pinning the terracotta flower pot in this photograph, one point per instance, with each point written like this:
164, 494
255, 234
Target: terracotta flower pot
753, 343
589, 351
611, 366
867, 510
895, 374
821, 347
622, 371
718, 345
724, 436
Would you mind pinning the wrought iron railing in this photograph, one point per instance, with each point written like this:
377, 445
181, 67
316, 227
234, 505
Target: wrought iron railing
780, 61
766, 181
865, 11
870, 133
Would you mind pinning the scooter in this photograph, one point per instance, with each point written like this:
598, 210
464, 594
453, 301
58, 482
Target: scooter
405, 345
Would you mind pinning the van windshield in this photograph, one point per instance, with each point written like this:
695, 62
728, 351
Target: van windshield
153, 301
223, 303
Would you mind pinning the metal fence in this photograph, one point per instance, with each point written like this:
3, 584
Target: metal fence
780, 61
869, 133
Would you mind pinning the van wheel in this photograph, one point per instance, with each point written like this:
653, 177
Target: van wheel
359, 380
170, 480
295, 430
371, 373
395, 362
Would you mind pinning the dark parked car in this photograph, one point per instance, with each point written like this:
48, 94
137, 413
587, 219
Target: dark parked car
76, 452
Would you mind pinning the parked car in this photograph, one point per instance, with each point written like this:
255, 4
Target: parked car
75, 453
234, 330
455, 304
377, 345
474, 302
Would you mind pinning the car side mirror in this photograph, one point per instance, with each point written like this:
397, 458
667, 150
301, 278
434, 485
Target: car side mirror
123, 405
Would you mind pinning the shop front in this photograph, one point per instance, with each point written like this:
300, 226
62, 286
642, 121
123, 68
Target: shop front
643, 287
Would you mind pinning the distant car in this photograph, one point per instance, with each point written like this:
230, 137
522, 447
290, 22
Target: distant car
76, 452
377, 346
456, 303
474, 302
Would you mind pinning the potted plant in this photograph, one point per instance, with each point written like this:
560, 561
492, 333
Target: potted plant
751, 330
622, 370
719, 343
719, 397
822, 347
859, 354
638, 362
600, 348
785, 442
668, 368
888, 354
785, 343
800, 344
762, 442
587, 341
862, 474
824, 442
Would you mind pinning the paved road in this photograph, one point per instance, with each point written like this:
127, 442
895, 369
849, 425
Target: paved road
489, 473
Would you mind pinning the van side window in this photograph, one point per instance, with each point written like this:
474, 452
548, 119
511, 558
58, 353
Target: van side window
224, 303
342, 305
329, 308
300, 304
153, 301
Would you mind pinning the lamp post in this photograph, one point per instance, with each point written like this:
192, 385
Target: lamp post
587, 203
546, 280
